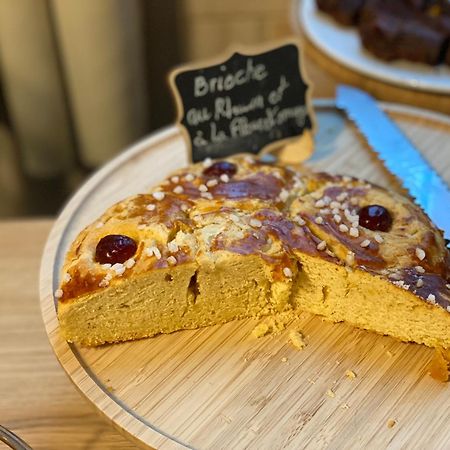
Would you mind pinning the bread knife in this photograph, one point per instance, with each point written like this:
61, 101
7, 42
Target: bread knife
398, 154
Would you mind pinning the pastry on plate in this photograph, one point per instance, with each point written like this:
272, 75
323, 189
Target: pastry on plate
412, 30
345, 12
238, 238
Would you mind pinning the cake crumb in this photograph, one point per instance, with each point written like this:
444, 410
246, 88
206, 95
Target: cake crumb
439, 367
297, 339
350, 374
331, 393
391, 423
284, 359
273, 324
390, 354
260, 330
280, 321
226, 418
345, 406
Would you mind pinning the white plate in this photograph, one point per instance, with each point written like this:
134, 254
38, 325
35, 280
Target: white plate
344, 45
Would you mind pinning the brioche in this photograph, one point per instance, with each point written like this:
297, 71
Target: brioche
240, 238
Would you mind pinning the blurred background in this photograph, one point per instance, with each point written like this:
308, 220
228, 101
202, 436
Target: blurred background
82, 80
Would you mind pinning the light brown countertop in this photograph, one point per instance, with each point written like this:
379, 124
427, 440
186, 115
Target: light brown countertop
37, 400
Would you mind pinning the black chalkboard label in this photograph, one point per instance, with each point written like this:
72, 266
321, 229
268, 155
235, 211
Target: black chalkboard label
244, 103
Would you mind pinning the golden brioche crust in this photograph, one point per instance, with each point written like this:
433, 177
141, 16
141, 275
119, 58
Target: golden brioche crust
280, 199
267, 210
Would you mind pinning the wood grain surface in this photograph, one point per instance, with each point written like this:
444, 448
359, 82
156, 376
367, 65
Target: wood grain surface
37, 400
219, 387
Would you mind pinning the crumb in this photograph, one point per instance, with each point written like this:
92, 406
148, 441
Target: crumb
350, 374
439, 367
225, 418
297, 339
284, 359
281, 320
345, 406
311, 381
273, 324
260, 330
390, 354
338, 362
330, 393
391, 423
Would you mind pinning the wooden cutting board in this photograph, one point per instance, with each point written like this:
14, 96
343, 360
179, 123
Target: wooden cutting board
221, 388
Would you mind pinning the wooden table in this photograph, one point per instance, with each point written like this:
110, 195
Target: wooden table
37, 400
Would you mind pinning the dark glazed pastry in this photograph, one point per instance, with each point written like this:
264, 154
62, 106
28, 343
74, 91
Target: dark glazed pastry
395, 30
412, 30
345, 12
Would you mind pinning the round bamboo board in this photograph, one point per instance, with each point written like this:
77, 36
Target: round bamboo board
219, 387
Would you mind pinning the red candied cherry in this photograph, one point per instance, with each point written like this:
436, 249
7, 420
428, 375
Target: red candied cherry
115, 248
375, 217
220, 168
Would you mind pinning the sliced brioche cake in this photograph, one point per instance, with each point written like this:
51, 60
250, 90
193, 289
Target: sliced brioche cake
239, 238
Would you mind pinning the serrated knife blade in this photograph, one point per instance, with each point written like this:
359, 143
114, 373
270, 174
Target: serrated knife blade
398, 154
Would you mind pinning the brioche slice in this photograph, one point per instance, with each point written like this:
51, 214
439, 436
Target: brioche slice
239, 238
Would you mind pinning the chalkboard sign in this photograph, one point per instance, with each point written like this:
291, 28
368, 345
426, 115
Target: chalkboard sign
244, 103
